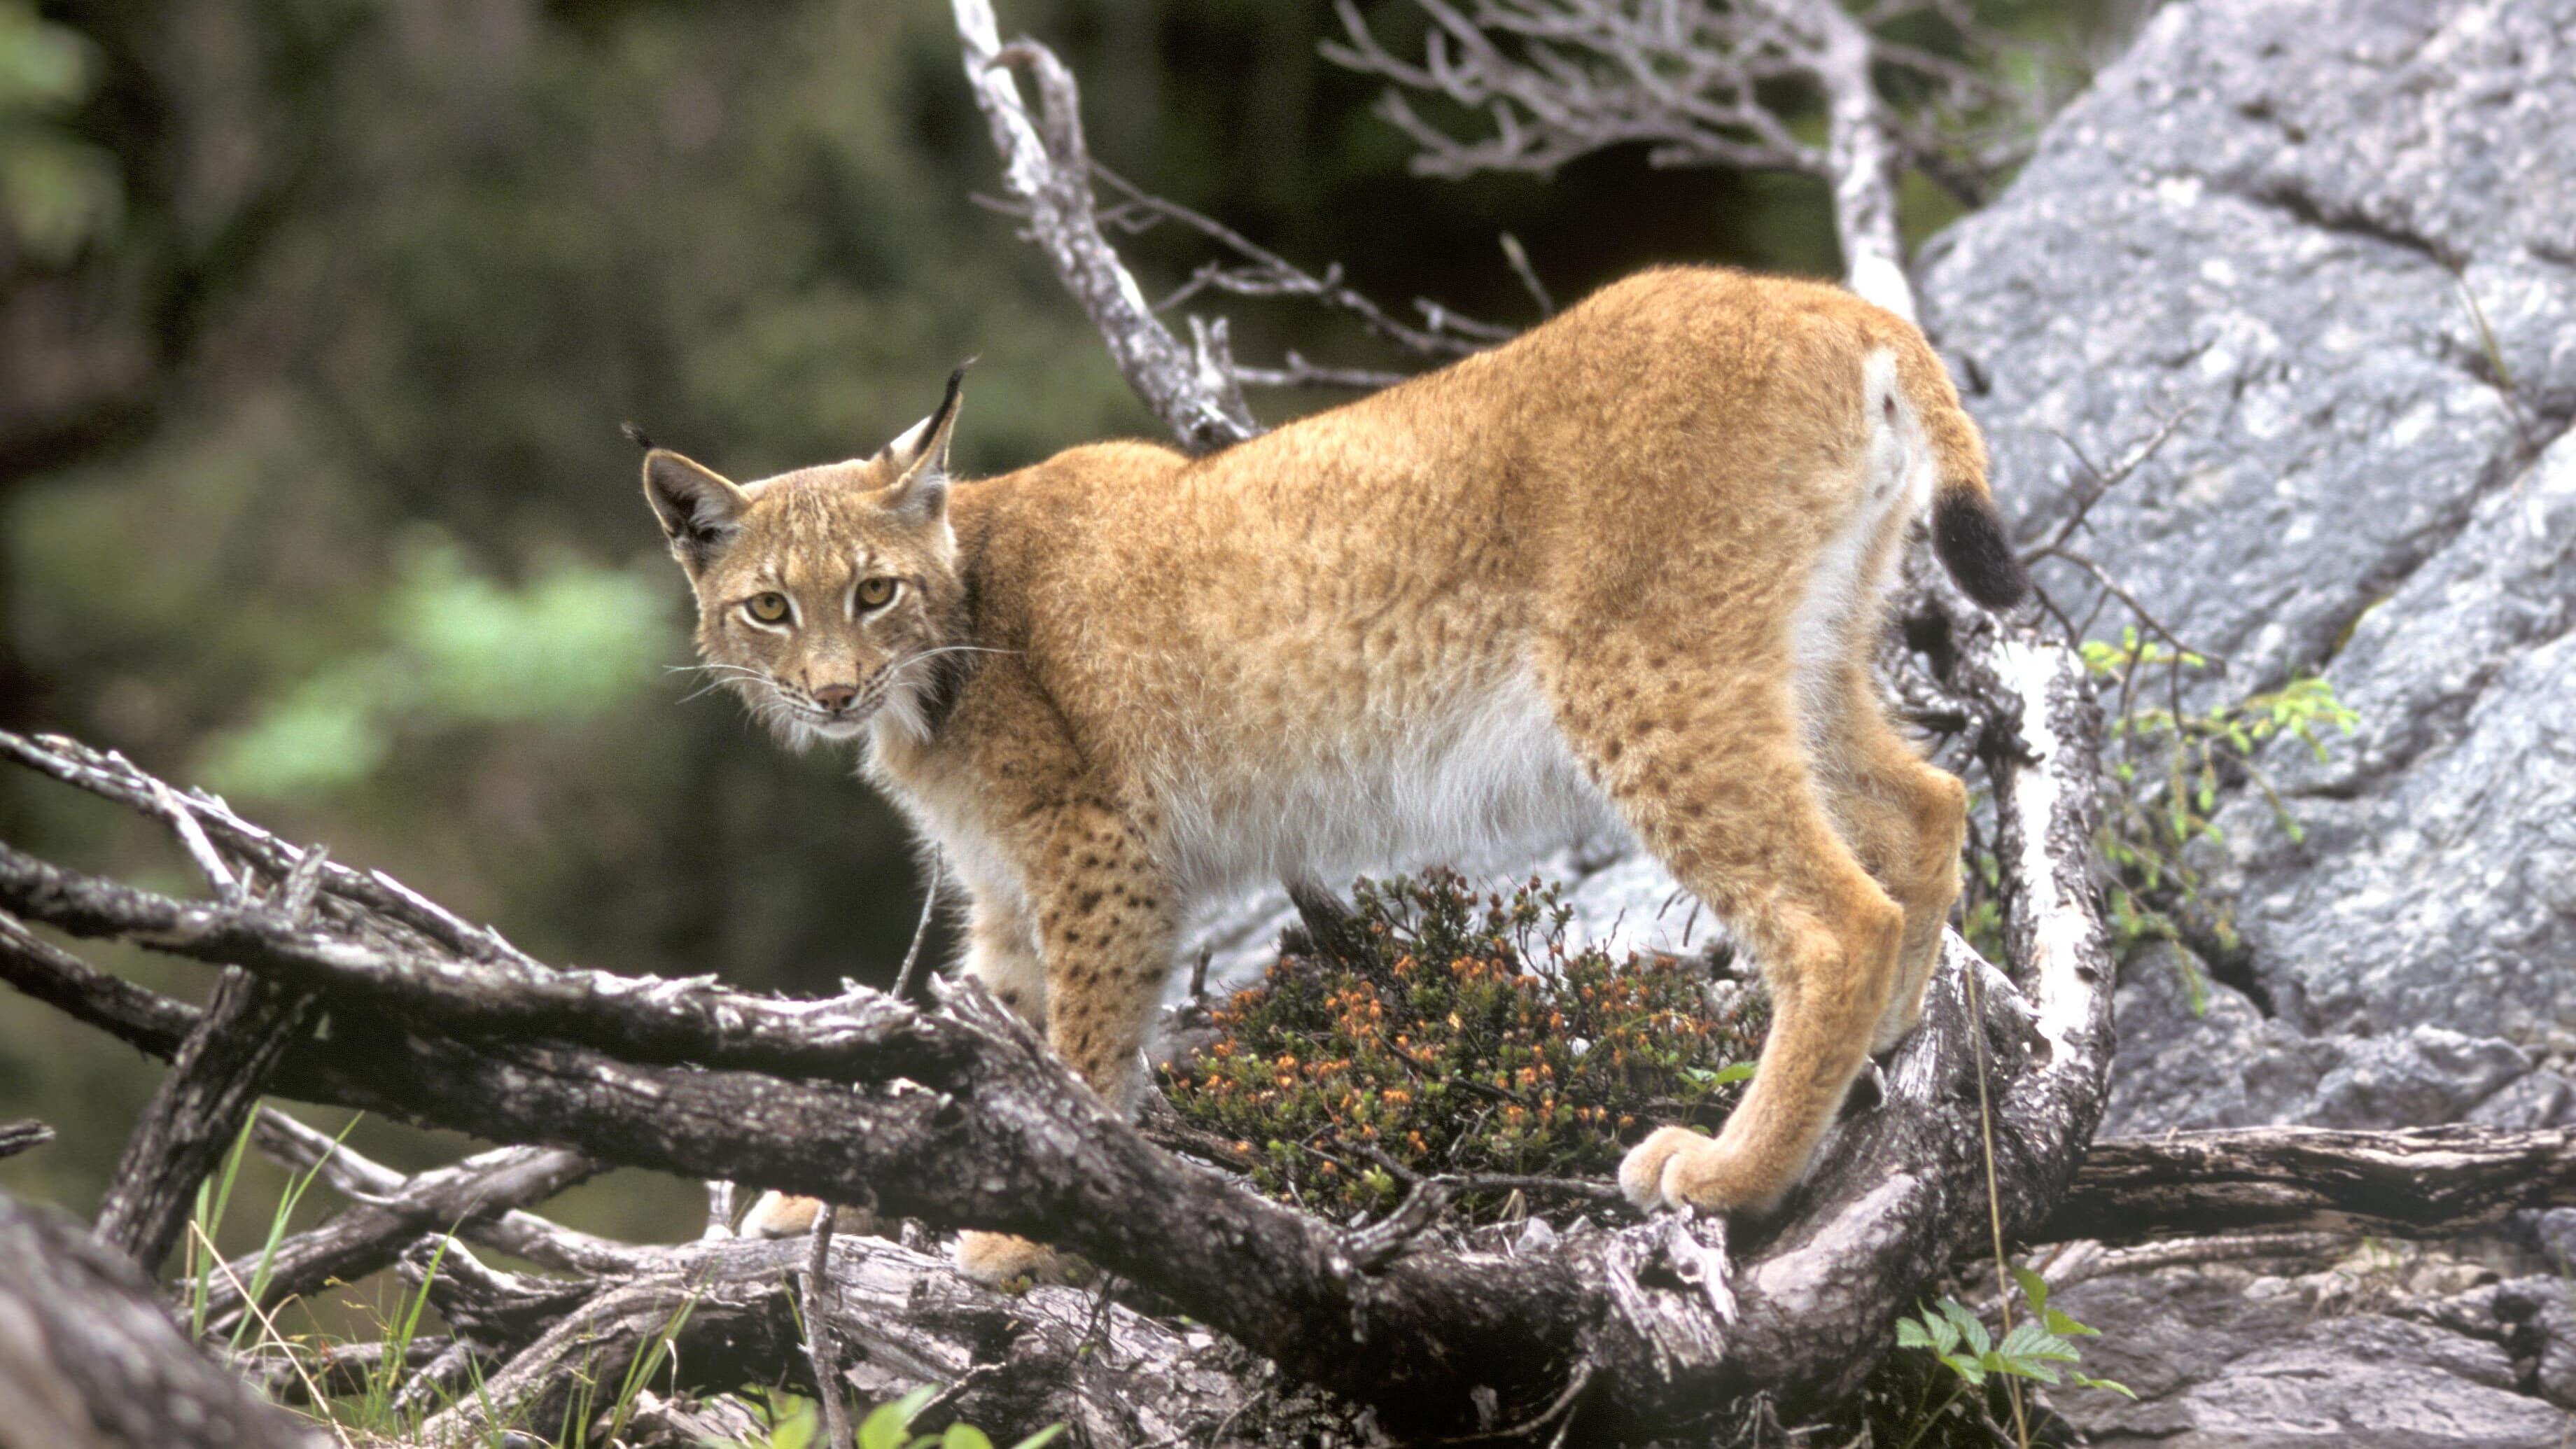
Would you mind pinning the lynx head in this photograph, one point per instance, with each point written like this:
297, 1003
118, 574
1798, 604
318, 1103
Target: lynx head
828, 595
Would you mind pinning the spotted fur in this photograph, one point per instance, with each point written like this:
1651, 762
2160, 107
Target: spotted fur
1626, 570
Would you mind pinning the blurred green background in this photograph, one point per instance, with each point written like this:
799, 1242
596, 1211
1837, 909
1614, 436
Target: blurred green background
317, 321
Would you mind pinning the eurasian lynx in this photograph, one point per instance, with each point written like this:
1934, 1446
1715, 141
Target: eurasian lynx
1624, 571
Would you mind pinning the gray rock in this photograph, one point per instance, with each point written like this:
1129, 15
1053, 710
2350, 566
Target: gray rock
2312, 230
2337, 240
2225, 1358
2438, 878
2228, 1065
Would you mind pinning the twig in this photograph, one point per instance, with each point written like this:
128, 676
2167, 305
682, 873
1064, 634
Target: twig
379, 1225
1047, 169
821, 1347
1521, 268
23, 1135
920, 932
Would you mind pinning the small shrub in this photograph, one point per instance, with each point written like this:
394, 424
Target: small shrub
2166, 765
1453, 1032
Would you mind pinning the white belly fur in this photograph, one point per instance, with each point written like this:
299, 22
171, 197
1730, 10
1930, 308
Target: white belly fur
1488, 778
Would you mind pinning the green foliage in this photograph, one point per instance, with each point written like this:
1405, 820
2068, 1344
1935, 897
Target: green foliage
57, 193
2167, 763
463, 650
2039, 1349
889, 1426
1457, 1033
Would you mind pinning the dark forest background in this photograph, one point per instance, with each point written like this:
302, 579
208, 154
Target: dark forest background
318, 318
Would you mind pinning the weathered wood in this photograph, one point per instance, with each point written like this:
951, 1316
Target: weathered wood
2418, 1182
1047, 168
641, 1019
1112, 1376
197, 1112
89, 1360
374, 1232
17, 1137
822, 1340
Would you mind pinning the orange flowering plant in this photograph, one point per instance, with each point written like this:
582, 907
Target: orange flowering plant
1450, 1031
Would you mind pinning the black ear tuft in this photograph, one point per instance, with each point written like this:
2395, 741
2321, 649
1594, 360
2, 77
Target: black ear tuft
636, 436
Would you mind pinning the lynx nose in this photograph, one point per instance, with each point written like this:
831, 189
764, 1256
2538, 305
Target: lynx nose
836, 697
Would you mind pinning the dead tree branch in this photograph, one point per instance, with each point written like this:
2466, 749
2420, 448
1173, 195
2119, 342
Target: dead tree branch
1046, 166
197, 1112
2419, 1182
23, 1135
903, 1320
1693, 80
379, 1226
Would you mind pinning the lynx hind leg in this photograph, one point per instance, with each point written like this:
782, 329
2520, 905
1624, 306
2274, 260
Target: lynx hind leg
1713, 777
1907, 822
1106, 927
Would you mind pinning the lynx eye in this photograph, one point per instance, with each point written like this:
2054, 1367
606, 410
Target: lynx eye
875, 593
769, 608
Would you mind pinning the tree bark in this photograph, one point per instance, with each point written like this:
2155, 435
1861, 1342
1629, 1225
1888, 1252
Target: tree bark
88, 1360
197, 1112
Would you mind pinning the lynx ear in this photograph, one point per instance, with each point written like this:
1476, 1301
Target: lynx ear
700, 508
920, 457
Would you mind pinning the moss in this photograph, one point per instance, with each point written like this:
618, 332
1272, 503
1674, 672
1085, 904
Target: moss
1450, 1031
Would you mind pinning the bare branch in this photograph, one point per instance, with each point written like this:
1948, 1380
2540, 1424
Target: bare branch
1560, 79
1266, 274
2418, 1182
1046, 167
822, 1340
23, 1135
381, 1224
197, 1112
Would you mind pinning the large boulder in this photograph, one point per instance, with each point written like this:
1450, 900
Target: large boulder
2332, 244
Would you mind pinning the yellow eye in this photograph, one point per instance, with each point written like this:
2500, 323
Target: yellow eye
768, 608
874, 593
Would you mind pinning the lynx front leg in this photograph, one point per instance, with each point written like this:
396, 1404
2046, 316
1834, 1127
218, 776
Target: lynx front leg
1106, 923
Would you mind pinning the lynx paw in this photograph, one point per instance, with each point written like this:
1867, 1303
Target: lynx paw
1678, 1168
1003, 1261
779, 1215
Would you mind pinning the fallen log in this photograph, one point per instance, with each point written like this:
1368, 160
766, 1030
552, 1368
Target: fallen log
2417, 1182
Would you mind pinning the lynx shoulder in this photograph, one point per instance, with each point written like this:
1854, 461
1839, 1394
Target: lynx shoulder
1622, 572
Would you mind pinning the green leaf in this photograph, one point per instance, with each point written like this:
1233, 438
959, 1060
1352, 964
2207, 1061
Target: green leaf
1041, 1438
1910, 1334
2064, 1326
885, 1426
1965, 1367
964, 1436
2123, 1390
1969, 1328
2033, 1287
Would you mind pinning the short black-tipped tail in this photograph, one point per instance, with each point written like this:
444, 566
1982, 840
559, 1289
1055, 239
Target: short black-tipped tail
1969, 537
